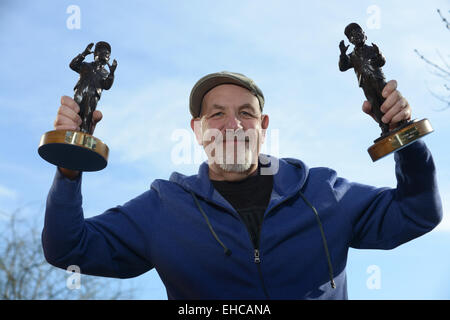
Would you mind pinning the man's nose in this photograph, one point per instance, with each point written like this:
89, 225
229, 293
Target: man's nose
233, 123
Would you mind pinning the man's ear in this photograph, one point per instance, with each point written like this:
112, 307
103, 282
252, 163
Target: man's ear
264, 126
196, 126
264, 121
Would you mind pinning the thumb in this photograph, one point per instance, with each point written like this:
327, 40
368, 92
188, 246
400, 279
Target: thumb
97, 116
367, 108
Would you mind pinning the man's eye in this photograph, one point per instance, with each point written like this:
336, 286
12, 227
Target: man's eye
247, 114
217, 114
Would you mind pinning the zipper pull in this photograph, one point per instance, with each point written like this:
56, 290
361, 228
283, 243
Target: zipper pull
257, 259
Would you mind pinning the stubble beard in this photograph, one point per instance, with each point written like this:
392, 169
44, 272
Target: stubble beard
231, 165
237, 155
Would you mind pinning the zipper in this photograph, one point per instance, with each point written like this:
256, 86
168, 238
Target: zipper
256, 252
258, 265
257, 256
257, 259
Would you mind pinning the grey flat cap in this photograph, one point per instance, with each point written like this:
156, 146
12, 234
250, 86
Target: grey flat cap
213, 80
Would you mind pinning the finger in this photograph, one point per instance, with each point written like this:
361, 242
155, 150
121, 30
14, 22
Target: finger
67, 112
69, 102
67, 127
389, 88
65, 123
404, 114
398, 108
390, 101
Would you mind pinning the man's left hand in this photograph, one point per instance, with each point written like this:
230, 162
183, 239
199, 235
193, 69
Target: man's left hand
395, 108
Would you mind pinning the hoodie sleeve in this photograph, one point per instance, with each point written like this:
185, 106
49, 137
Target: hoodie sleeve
384, 218
112, 244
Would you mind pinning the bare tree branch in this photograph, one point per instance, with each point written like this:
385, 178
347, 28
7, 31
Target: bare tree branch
25, 274
441, 71
443, 19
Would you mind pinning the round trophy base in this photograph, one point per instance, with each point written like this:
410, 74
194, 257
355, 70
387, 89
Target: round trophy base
73, 150
399, 139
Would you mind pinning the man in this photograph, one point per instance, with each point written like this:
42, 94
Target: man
94, 78
246, 230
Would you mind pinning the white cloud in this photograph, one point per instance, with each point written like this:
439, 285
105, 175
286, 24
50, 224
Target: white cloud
138, 126
7, 193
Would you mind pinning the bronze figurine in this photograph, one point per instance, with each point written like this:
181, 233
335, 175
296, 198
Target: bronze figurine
78, 149
367, 61
94, 78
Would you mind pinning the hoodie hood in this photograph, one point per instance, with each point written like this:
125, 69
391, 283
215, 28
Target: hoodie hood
289, 176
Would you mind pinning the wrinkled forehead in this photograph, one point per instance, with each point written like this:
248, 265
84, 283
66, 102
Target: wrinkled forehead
229, 96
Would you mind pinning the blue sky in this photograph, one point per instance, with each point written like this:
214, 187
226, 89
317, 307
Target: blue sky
290, 48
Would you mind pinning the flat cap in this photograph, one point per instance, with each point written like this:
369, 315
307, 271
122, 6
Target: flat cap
212, 80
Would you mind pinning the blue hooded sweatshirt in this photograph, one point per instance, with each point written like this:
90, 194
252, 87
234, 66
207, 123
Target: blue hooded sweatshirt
201, 248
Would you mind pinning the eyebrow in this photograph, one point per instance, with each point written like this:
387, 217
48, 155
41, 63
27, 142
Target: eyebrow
245, 105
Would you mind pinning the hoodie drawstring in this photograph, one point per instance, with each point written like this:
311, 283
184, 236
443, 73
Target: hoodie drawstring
226, 250
324, 240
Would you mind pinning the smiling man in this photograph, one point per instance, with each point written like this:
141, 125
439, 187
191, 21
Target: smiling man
230, 126
243, 228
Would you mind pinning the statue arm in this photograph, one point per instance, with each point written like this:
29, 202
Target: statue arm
77, 62
108, 82
344, 62
380, 60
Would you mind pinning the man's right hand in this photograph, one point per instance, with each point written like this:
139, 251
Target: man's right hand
67, 118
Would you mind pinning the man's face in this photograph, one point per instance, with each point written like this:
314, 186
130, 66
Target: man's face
357, 37
231, 128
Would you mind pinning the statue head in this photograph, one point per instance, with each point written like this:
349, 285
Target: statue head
102, 52
355, 34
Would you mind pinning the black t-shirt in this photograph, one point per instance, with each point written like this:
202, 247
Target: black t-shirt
250, 198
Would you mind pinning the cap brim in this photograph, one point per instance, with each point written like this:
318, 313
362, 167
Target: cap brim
207, 83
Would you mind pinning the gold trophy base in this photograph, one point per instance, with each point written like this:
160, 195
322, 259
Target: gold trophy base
399, 139
73, 150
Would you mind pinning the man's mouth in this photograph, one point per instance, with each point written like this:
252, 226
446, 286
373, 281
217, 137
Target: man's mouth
246, 139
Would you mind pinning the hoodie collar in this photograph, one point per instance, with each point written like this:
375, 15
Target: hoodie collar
289, 176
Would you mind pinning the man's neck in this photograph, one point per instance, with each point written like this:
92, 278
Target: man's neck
218, 174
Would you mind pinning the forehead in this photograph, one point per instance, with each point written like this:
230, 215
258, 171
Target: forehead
229, 95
